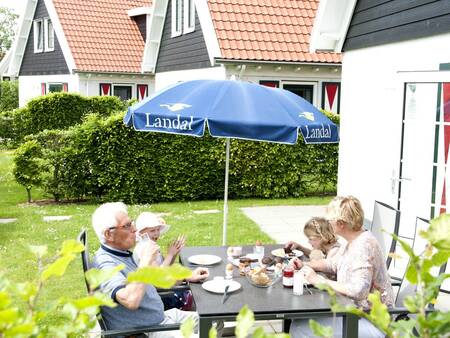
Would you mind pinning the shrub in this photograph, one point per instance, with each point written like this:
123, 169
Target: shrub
9, 95
102, 158
28, 165
54, 111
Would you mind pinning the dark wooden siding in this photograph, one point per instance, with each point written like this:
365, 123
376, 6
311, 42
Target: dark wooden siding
141, 21
187, 51
45, 62
378, 22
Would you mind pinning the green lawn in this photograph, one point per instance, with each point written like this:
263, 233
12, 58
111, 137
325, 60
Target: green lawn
30, 229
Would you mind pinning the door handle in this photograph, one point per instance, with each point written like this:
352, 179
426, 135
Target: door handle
394, 181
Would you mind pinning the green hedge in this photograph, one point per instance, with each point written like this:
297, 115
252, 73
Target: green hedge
54, 111
9, 95
102, 158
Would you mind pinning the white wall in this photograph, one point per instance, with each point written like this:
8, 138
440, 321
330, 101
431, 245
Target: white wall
371, 114
30, 86
165, 79
289, 74
314, 75
90, 83
85, 84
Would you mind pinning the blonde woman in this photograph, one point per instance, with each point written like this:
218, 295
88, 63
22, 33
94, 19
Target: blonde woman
359, 266
320, 235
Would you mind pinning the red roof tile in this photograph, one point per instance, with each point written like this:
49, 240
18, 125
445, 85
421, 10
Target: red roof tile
266, 30
101, 35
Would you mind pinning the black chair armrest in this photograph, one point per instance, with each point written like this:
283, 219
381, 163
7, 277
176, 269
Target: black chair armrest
138, 330
174, 288
395, 281
403, 310
165, 293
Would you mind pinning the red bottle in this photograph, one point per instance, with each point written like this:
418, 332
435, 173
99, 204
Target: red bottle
288, 277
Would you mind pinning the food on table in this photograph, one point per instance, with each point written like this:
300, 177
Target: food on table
282, 253
316, 255
229, 271
259, 276
247, 260
278, 269
267, 260
278, 260
287, 250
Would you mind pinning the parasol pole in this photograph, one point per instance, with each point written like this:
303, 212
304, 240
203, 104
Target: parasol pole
225, 194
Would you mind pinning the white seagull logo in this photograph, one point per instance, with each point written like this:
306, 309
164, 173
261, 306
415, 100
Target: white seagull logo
307, 115
175, 106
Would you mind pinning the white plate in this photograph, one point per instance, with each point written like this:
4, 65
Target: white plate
280, 253
218, 286
204, 259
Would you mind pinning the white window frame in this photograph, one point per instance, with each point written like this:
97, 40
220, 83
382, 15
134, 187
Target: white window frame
131, 85
177, 12
36, 35
306, 83
47, 35
55, 84
189, 13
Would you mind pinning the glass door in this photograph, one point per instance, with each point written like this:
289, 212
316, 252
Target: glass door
423, 178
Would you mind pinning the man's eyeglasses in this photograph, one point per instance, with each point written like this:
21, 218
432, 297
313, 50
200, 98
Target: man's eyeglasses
126, 226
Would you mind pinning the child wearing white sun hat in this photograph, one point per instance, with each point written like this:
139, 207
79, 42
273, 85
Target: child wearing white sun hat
150, 227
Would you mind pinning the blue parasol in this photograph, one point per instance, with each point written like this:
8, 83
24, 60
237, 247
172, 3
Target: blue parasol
232, 109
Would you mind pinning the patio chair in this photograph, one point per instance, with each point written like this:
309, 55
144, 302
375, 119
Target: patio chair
135, 332
385, 218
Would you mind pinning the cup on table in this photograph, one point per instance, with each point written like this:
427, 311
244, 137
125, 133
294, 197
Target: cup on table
258, 250
234, 251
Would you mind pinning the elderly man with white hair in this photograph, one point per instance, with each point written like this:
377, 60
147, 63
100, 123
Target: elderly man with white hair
138, 304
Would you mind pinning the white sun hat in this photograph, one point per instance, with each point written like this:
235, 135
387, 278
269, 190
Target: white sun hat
151, 220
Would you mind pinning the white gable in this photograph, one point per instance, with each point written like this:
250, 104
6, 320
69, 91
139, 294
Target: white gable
20, 43
331, 25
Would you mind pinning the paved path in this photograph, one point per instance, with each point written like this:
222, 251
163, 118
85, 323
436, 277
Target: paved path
284, 223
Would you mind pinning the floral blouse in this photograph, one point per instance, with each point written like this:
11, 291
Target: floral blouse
360, 266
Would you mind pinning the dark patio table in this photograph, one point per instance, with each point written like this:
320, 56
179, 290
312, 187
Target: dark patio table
275, 302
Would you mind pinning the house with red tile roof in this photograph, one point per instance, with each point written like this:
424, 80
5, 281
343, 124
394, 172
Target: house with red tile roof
131, 48
89, 47
266, 42
395, 123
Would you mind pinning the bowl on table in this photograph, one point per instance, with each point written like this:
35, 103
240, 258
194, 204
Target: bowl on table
262, 278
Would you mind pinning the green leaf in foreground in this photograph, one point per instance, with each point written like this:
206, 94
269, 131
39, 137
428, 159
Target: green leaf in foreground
438, 233
379, 314
319, 330
71, 246
98, 299
187, 328
58, 267
245, 321
161, 277
95, 277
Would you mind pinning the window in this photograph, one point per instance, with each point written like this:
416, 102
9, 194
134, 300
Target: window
304, 90
49, 35
55, 87
122, 91
189, 16
38, 33
176, 18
